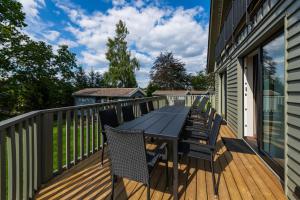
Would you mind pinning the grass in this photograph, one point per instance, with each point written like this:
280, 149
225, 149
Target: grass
55, 146
64, 150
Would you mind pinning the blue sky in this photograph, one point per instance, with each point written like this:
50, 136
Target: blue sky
180, 26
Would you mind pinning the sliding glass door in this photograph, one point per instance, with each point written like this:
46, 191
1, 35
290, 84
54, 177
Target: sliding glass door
273, 99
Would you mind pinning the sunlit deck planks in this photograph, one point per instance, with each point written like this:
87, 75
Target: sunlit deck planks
241, 175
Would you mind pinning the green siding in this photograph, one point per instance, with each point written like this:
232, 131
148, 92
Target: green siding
288, 11
293, 99
232, 94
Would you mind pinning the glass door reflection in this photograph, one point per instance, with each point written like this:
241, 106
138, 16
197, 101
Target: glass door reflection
273, 99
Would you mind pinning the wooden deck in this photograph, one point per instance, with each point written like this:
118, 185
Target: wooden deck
241, 175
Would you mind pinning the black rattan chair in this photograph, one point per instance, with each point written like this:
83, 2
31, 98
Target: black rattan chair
196, 102
107, 117
143, 107
198, 109
127, 112
150, 106
194, 149
129, 158
200, 131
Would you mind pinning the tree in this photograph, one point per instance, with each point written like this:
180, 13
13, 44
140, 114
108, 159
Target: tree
151, 88
95, 79
121, 64
32, 75
202, 81
81, 79
169, 72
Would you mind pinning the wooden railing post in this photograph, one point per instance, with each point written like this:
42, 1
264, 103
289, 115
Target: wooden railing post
119, 111
2, 165
11, 151
47, 143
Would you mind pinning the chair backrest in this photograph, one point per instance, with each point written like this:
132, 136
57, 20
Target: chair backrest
128, 154
179, 102
127, 112
143, 107
211, 118
215, 130
203, 102
196, 101
150, 105
108, 117
207, 110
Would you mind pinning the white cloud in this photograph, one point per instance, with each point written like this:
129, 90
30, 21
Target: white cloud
31, 8
153, 29
51, 35
69, 43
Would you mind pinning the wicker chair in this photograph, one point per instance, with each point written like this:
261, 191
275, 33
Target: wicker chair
107, 117
150, 106
196, 102
129, 158
143, 107
200, 131
198, 109
194, 149
127, 112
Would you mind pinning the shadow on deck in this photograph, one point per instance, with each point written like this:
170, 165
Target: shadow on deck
240, 174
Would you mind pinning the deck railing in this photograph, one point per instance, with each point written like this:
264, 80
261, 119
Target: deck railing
189, 99
36, 146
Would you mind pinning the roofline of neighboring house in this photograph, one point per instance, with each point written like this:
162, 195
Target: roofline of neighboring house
136, 90
121, 96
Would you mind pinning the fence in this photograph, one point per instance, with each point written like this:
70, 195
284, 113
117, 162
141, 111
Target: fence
36, 146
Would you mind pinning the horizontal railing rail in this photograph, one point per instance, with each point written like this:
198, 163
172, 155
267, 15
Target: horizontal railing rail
36, 146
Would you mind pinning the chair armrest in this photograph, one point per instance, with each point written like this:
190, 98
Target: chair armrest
200, 145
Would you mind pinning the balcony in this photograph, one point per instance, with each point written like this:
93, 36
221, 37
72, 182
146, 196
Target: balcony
55, 154
242, 18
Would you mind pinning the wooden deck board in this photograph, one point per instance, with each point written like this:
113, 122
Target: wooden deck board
240, 176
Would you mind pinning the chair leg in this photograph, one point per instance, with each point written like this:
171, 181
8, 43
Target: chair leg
213, 175
102, 155
167, 174
112, 187
148, 190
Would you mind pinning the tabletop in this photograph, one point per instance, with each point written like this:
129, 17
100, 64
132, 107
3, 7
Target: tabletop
166, 122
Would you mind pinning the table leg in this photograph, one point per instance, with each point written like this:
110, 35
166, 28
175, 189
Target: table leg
175, 169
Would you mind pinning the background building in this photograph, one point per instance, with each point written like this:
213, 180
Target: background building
99, 95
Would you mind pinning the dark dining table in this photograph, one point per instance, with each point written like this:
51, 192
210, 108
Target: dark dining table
165, 123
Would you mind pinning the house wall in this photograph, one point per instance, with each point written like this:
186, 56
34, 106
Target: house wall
84, 100
285, 15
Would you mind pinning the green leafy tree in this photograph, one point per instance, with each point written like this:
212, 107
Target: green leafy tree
95, 79
32, 75
122, 66
151, 88
202, 81
81, 79
169, 72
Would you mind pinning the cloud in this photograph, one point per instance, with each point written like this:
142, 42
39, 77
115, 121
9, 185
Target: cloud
52, 35
153, 29
69, 43
31, 8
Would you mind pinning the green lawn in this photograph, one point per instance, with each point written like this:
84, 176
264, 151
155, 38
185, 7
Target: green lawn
55, 145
